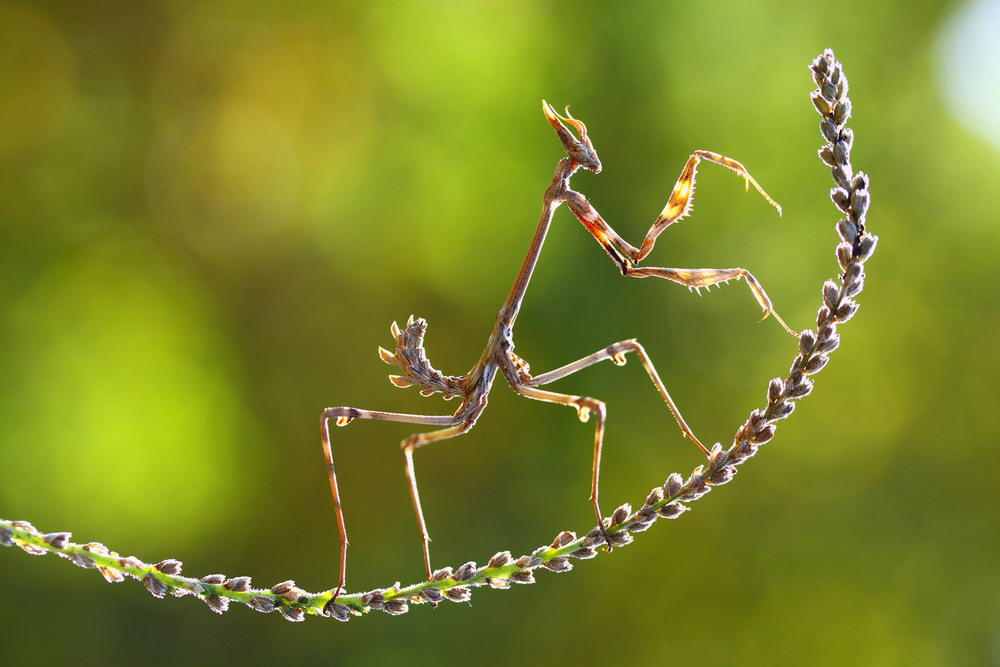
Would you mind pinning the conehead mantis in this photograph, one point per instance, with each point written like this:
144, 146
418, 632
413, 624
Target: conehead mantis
473, 387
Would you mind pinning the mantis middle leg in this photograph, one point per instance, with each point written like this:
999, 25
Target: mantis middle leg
586, 406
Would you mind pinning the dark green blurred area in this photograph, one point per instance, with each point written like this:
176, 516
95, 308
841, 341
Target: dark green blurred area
210, 213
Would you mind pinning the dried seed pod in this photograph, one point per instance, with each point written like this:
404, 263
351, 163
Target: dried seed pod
829, 89
774, 390
262, 604
842, 150
639, 526
432, 595
801, 389
859, 204
860, 181
458, 594
829, 344
32, 549
831, 295
807, 341
525, 576
620, 539
842, 198
821, 103
695, 487
293, 614
673, 485
723, 476
826, 154
841, 175
854, 287
155, 587
237, 584
584, 553
563, 538
374, 599
829, 130
621, 514
672, 511
745, 450
842, 112
558, 564
81, 561
130, 563
217, 604
866, 246
57, 540
848, 231
783, 410
718, 457
845, 254
593, 538
169, 566
500, 559
110, 574
396, 606
283, 588
645, 513
822, 317
764, 435
815, 364
336, 611
465, 572
847, 309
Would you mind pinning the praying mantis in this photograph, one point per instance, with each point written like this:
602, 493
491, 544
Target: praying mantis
473, 387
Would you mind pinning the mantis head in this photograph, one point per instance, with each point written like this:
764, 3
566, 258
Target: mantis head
580, 150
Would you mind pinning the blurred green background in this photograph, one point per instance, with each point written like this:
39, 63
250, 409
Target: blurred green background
211, 212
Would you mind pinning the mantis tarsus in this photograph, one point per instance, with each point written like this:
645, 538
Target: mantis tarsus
474, 387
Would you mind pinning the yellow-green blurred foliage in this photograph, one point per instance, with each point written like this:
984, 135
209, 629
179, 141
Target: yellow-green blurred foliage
211, 212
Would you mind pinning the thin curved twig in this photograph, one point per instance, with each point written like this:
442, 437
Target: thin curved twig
669, 501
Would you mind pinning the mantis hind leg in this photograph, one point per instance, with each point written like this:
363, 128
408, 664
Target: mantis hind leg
342, 416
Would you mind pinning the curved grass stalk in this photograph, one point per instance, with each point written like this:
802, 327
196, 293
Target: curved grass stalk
669, 501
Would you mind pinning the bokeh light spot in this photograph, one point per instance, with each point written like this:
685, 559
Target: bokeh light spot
968, 54
119, 393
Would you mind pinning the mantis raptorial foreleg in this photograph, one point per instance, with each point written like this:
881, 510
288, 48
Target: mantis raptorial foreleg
627, 256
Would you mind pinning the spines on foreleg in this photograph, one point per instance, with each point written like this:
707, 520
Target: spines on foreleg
417, 370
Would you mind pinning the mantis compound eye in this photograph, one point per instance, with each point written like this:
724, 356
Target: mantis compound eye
580, 150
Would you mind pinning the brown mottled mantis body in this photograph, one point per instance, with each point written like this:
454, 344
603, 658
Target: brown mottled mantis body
474, 387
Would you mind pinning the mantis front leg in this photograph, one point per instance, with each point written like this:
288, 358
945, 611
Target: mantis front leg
627, 256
